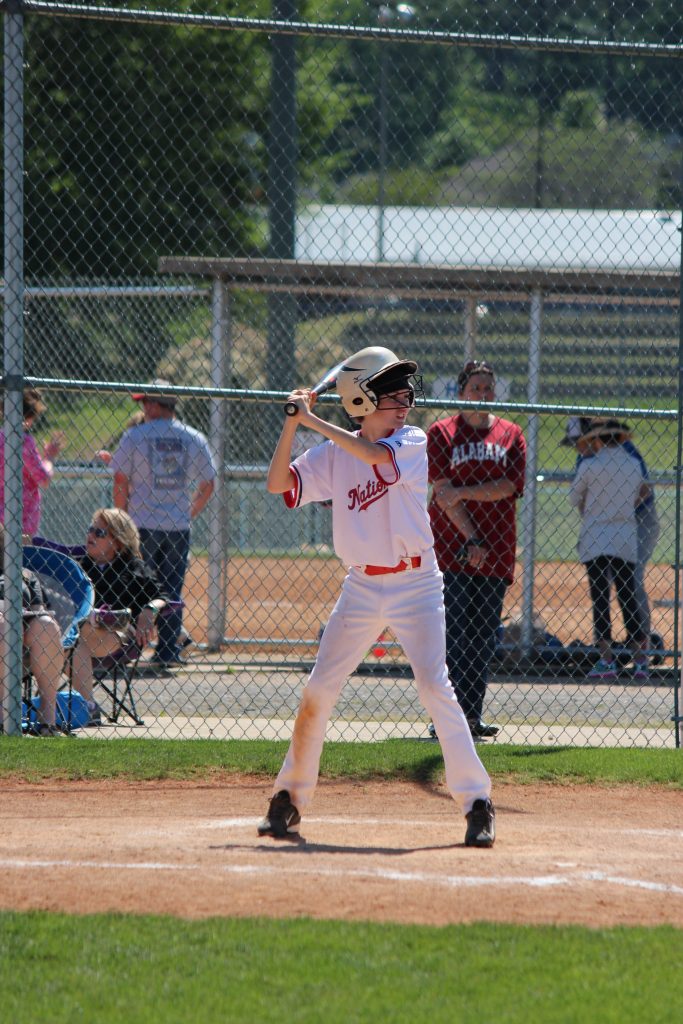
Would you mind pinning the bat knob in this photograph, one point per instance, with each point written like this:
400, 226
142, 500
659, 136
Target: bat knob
291, 408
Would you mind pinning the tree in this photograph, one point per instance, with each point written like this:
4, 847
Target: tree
134, 142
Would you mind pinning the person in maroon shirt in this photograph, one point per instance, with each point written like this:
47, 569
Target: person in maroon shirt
476, 468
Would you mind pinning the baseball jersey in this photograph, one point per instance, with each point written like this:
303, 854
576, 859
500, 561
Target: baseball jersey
379, 513
466, 456
606, 487
164, 461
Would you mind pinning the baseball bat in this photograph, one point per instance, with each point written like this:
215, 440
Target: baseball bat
326, 383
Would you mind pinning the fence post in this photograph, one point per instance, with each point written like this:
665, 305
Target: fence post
528, 515
282, 179
678, 619
221, 358
13, 316
470, 326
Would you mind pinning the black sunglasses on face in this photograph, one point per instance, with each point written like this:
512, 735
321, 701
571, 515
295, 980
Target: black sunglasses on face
98, 531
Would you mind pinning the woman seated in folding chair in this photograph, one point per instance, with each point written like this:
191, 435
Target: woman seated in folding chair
121, 580
42, 649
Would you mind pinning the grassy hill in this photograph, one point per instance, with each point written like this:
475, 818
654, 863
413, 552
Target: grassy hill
607, 166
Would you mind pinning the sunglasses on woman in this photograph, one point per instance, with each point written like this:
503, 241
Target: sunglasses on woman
98, 531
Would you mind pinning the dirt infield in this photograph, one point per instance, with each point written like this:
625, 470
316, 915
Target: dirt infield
290, 598
368, 851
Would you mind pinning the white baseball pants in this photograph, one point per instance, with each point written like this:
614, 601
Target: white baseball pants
411, 604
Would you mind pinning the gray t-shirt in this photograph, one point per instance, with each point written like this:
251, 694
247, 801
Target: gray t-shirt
606, 486
164, 461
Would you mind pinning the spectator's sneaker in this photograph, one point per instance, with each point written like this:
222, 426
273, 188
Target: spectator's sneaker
483, 730
481, 824
164, 664
94, 715
603, 670
432, 731
184, 641
42, 729
641, 672
282, 818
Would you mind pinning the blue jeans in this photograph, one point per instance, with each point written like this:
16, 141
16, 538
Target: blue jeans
473, 609
167, 552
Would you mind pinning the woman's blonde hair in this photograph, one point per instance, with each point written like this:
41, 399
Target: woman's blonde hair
122, 529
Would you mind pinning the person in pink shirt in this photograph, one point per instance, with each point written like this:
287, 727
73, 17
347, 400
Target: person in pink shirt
38, 468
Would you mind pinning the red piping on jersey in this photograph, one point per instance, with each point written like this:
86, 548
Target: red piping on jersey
292, 497
397, 472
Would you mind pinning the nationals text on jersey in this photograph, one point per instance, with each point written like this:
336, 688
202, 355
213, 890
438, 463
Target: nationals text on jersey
361, 497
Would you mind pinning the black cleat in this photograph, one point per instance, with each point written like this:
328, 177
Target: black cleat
481, 824
282, 818
483, 730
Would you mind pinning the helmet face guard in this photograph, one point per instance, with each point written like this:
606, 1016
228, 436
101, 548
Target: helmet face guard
405, 385
396, 379
372, 367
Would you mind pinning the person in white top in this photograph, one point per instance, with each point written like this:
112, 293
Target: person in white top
606, 490
376, 479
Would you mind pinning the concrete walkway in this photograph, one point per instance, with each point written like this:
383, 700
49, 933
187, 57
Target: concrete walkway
213, 698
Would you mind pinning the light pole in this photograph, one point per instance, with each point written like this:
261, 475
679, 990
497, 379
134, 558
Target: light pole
387, 14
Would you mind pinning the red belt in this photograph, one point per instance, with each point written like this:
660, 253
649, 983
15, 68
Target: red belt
414, 562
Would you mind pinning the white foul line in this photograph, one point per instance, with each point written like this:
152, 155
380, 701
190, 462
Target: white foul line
451, 881
218, 823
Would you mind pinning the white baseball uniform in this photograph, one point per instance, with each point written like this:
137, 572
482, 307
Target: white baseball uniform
379, 516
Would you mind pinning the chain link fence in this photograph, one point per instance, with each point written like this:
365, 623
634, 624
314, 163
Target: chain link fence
231, 197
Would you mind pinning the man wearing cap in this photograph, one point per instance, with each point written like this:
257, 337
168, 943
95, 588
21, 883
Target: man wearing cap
164, 476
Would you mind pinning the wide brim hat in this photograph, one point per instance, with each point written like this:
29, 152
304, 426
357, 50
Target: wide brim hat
606, 429
576, 427
169, 401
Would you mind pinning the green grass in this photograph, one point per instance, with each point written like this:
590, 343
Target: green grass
144, 970
90, 422
558, 525
141, 759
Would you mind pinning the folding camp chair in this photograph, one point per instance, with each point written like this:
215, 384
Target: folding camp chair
114, 673
70, 595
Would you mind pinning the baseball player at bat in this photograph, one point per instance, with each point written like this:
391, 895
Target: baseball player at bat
376, 480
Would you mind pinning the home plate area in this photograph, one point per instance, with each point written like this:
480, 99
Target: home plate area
382, 851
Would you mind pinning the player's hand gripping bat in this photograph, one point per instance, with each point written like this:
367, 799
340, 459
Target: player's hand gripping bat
325, 384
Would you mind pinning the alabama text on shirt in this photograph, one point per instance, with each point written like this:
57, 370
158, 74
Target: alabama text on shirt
478, 451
